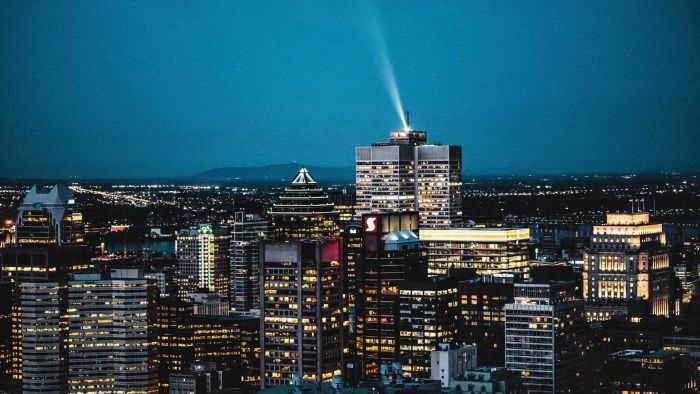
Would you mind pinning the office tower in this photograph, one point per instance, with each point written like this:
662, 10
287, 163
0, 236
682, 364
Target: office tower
166, 279
229, 341
636, 371
49, 217
248, 231
628, 259
6, 320
448, 361
483, 315
203, 258
303, 211
391, 254
200, 378
428, 316
545, 336
44, 330
352, 242
175, 344
112, 333
301, 307
557, 272
344, 203
488, 250
25, 264
687, 274
407, 174
249, 345
41, 263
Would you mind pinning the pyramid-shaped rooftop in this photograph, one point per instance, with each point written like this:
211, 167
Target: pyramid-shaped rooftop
303, 178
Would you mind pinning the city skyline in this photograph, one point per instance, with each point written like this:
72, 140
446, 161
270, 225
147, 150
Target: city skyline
180, 211
522, 89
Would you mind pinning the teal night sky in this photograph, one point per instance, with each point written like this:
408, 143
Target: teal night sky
145, 89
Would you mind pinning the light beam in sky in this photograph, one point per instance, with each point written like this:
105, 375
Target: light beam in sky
386, 68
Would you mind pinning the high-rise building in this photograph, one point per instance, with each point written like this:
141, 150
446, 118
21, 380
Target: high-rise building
41, 263
304, 211
627, 259
248, 231
344, 203
201, 378
391, 254
232, 342
636, 371
545, 336
408, 174
49, 217
428, 316
483, 315
29, 264
166, 278
111, 333
687, 274
203, 258
44, 344
352, 242
301, 295
488, 250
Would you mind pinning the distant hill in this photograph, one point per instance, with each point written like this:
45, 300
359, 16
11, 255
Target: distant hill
273, 172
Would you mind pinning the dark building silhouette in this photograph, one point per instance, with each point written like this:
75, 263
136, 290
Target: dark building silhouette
231, 342
482, 319
636, 371
391, 254
248, 231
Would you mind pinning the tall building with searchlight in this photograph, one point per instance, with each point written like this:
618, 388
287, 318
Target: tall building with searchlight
406, 174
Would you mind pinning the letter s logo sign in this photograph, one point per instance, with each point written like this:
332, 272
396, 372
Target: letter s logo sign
371, 224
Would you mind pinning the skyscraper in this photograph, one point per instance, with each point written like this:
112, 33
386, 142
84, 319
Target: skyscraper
391, 254
44, 345
483, 315
304, 211
112, 333
41, 263
186, 338
203, 258
248, 231
407, 174
49, 217
488, 250
301, 307
627, 259
29, 264
545, 336
428, 316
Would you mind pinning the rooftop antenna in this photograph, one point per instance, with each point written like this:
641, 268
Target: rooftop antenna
407, 117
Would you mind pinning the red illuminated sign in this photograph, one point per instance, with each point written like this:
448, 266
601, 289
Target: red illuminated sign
371, 224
